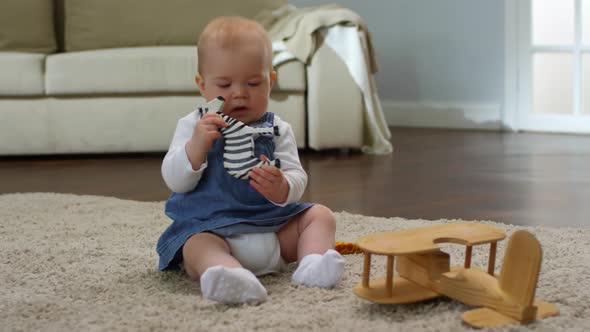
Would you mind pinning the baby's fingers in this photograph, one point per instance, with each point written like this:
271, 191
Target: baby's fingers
214, 119
214, 134
272, 169
260, 179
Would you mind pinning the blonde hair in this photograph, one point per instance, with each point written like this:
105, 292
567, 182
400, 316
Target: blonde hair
228, 31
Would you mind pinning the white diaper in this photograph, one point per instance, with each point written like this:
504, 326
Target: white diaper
258, 252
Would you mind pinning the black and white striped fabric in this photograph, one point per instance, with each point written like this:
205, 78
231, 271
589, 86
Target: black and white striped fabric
238, 152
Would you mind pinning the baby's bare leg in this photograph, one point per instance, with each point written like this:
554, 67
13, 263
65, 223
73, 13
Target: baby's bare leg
204, 250
310, 232
207, 259
309, 238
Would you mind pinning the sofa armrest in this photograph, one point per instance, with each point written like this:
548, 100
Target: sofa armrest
335, 113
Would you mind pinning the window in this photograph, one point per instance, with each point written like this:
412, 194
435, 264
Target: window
553, 64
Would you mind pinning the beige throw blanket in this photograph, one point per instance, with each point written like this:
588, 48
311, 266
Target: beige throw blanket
299, 30
297, 27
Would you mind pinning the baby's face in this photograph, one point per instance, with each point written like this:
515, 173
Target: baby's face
240, 74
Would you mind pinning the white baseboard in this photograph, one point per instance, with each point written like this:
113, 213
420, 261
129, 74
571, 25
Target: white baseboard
442, 115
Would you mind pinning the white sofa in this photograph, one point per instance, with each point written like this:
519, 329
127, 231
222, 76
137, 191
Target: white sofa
126, 96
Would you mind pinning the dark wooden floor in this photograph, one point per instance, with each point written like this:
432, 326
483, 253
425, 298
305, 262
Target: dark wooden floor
519, 178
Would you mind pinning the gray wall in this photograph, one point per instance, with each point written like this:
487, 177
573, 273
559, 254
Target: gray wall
448, 51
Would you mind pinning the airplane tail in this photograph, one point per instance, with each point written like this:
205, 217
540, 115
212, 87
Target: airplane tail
516, 286
520, 270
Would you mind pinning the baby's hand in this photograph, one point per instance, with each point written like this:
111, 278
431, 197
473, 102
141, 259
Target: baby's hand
205, 133
270, 182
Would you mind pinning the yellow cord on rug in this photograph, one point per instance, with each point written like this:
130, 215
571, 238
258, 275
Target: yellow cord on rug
347, 248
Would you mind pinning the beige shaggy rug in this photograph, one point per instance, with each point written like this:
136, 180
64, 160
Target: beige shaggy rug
86, 263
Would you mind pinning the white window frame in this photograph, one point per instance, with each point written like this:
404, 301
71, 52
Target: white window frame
518, 99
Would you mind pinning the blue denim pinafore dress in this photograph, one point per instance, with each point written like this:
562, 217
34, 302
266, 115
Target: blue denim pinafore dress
222, 204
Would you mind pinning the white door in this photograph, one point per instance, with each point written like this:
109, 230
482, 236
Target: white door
553, 82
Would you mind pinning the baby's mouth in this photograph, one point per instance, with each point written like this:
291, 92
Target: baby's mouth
240, 109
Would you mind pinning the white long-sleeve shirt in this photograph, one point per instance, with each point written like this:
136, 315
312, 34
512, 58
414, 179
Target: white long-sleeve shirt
180, 177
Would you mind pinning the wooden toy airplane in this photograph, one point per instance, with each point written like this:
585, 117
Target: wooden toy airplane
425, 272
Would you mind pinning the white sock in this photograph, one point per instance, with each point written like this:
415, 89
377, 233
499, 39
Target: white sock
317, 270
232, 285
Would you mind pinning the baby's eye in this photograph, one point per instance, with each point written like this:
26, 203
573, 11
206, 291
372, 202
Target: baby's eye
253, 83
223, 85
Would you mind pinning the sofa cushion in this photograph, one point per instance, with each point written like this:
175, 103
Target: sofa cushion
151, 70
121, 71
290, 77
22, 74
27, 26
114, 23
31, 126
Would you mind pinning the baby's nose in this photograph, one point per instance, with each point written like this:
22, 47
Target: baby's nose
240, 91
